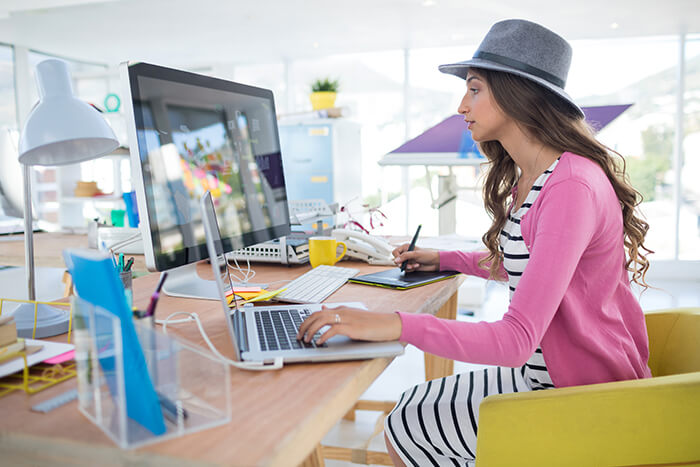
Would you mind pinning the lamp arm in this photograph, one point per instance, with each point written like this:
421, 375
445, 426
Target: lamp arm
28, 232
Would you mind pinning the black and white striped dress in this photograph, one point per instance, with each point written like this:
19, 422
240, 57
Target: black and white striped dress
435, 423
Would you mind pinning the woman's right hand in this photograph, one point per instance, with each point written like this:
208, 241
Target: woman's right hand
419, 259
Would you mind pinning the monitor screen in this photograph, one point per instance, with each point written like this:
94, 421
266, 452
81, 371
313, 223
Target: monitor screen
196, 133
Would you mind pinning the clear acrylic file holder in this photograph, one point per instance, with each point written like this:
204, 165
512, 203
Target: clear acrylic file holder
193, 387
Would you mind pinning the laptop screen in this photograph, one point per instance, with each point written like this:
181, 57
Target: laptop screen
219, 267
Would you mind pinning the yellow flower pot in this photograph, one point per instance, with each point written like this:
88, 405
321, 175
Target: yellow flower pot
322, 100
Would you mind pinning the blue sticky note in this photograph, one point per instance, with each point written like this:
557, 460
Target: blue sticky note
97, 282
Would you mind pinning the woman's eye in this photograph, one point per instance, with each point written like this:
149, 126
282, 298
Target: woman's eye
474, 90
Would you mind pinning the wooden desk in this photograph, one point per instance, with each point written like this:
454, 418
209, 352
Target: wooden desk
278, 418
47, 250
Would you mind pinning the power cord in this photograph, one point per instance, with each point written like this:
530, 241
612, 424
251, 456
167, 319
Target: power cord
247, 275
122, 243
277, 364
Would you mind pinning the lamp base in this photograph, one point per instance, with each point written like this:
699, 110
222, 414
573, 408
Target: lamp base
50, 321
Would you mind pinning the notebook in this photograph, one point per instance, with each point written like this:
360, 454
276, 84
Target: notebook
397, 279
265, 333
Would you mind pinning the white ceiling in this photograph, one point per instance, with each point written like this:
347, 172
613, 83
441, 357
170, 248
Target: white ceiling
203, 32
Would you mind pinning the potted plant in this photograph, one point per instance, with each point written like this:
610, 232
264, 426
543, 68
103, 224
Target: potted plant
323, 93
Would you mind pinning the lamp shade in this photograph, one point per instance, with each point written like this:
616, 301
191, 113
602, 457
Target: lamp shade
62, 129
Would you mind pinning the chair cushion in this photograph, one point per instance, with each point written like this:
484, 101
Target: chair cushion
674, 341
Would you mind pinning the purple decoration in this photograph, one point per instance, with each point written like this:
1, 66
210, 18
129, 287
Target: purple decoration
451, 135
446, 136
600, 116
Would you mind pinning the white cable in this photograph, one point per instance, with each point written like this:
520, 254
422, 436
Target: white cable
122, 243
254, 366
247, 275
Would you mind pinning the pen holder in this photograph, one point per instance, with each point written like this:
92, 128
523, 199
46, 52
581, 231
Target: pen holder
127, 278
191, 387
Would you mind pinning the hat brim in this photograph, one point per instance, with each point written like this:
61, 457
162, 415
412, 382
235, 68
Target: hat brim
460, 69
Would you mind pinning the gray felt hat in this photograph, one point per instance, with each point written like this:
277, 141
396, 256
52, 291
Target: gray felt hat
525, 49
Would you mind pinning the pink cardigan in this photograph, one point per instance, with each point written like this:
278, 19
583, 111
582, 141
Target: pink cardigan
573, 300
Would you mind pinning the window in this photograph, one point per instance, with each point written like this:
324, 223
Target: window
619, 72
435, 96
10, 170
371, 93
689, 228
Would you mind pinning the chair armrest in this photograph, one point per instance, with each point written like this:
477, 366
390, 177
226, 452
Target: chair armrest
648, 421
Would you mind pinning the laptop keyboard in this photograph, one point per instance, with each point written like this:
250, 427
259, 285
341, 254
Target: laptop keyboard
317, 284
277, 329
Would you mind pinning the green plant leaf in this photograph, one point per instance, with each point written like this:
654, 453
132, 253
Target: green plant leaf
325, 85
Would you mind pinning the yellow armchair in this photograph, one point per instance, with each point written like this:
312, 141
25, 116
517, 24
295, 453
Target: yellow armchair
648, 422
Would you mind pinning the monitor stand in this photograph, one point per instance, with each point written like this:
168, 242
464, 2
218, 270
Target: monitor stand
183, 281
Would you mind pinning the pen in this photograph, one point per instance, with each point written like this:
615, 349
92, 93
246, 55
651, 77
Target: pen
150, 311
170, 410
129, 263
120, 266
411, 247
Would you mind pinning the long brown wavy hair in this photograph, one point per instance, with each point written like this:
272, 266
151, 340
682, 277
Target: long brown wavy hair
554, 122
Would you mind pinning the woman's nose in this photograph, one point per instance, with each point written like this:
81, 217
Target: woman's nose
463, 106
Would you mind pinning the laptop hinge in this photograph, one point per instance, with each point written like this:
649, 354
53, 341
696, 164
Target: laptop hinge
239, 328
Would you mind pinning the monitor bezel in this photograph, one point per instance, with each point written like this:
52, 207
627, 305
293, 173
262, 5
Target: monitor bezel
156, 260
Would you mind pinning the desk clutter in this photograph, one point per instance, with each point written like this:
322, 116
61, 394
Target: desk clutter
30, 365
137, 385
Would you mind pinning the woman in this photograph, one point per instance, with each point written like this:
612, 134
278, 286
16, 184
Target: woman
564, 236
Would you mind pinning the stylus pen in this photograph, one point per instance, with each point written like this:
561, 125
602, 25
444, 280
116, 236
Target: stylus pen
411, 247
150, 311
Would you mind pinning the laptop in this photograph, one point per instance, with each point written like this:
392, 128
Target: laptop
267, 333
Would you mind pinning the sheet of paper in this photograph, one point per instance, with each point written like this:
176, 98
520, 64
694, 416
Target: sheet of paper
49, 350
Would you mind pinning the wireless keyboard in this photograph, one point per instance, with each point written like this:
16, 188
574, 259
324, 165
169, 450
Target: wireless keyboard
315, 285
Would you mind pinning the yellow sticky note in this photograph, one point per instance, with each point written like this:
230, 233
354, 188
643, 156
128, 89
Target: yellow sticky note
265, 296
249, 295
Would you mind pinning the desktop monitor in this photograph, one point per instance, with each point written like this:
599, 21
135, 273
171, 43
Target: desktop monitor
189, 133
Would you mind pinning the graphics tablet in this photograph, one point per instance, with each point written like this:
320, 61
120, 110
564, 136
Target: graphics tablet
396, 279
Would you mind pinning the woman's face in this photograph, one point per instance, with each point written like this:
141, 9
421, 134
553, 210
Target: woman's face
484, 118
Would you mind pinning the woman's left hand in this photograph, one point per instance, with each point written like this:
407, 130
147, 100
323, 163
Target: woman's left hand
352, 322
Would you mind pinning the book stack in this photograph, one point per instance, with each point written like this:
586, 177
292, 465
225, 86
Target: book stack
9, 343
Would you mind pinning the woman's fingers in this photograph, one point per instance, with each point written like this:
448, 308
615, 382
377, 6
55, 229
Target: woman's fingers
412, 265
423, 260
400, 249
405, 256
352, 322
335, 329
304, 327
315, 322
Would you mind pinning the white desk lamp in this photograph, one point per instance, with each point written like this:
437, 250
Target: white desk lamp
60, 130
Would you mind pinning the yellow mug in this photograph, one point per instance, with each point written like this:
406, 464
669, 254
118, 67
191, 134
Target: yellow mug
322, 250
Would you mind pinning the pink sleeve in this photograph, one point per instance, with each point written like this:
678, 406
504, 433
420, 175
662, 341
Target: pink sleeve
564, 227
466, 262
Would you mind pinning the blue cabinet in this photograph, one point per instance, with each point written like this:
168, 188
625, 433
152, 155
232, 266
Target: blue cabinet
322, 160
